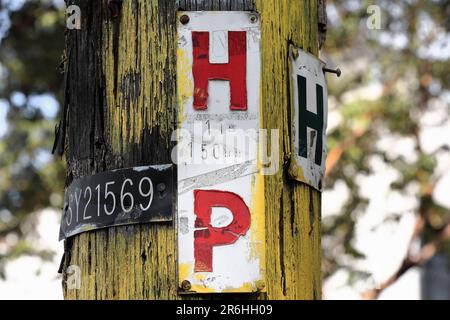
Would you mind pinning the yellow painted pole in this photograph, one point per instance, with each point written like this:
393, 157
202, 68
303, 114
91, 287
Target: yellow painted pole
121, 111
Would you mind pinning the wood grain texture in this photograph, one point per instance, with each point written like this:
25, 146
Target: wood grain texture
121, 112
292, 209
322, 21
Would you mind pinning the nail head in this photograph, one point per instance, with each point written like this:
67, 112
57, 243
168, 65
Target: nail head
186, 285
184, 19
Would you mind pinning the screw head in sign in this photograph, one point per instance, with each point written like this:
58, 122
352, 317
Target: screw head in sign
161, 187
184, 19
186, 285
253, 18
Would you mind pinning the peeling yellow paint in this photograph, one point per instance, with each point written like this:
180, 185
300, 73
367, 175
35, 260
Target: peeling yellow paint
138, 55
257, 228
246, 287
132, 262
292, 246
184, 270
185, 88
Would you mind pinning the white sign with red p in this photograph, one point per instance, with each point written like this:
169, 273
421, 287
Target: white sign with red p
220, 186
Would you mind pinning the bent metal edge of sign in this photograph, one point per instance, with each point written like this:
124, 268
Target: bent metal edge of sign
309, 118
220, 187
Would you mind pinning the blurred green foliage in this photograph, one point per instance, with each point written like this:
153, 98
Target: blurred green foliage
408, 59
30, 178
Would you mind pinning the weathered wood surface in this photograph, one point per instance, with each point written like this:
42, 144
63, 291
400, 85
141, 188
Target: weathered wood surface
121, 111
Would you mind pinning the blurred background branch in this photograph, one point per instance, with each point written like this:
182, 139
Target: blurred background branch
32, 39
389, 118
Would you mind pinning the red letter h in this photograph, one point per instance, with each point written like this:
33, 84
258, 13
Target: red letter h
234, 71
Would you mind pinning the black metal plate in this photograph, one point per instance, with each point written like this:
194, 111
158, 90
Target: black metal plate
119, 197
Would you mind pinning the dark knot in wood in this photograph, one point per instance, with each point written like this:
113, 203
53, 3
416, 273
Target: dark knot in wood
114, 8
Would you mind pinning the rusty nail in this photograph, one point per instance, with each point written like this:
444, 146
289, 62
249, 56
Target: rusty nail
184, 19
253, 18
114, 7
186, 285
337, 71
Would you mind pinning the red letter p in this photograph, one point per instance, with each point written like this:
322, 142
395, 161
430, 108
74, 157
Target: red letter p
208, 236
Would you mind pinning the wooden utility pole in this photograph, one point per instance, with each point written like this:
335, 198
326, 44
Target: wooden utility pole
120, 112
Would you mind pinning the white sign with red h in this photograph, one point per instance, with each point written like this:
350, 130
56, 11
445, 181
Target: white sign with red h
220, 187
